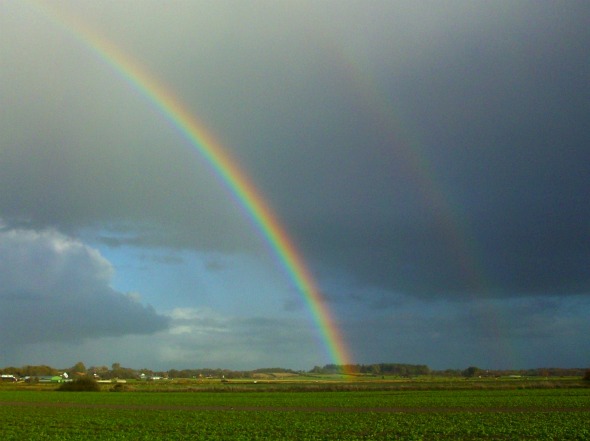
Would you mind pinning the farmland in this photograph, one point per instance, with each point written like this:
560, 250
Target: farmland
264, 413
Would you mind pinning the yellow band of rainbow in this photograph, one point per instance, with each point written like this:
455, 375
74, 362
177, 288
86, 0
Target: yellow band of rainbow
201, 140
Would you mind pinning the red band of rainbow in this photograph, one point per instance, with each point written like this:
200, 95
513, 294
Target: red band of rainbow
202, 141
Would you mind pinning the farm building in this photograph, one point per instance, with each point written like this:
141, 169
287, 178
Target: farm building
7, 377
51, 379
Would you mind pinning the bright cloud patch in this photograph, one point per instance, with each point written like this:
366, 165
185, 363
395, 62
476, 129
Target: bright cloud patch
204, 337
55, 288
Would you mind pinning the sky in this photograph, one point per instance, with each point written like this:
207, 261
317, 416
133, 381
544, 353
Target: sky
428, 160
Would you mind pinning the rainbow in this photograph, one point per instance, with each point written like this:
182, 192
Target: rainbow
225, 167
467, 252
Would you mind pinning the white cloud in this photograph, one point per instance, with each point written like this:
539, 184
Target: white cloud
47, 262
56, 288
196, 338
202, 337
197, 321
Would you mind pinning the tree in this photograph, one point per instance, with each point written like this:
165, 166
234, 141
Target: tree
78, 368
471, 371
119, 371
83, 384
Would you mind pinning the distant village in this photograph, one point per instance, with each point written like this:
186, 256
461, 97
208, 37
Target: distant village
65, 378
101, 374
119, 374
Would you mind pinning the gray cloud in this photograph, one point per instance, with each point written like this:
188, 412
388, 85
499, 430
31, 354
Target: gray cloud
478, 183
203, 337
413, 151
197, 337
493, 333
54, 288
393, 153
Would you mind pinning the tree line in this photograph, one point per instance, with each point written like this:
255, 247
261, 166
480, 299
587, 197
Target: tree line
116, 370
400, 369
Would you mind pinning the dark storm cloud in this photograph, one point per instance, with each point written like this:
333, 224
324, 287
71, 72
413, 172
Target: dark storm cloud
80, 148
503, 333
421, 149
487, 192
64, 286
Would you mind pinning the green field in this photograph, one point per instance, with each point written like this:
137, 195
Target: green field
539, 414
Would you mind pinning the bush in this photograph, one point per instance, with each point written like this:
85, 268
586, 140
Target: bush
84, 384
587, 375
120, 388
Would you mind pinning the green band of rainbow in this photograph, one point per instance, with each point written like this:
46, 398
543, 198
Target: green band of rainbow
225, 167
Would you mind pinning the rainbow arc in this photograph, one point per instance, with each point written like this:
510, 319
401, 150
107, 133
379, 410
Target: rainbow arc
220, 161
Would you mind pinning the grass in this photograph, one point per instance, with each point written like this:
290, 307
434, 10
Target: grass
326, 383
179, 424
262, 412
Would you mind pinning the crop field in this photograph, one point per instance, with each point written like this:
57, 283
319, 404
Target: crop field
536, 414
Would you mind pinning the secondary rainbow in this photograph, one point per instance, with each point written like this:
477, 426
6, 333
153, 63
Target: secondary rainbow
238, 183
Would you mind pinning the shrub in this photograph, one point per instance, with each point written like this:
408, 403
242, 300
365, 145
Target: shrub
120, 388
587, 375
84, 384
